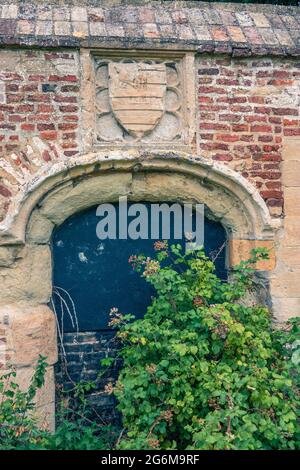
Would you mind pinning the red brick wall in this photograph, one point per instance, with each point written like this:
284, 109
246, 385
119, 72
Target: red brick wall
246, 107
39, 101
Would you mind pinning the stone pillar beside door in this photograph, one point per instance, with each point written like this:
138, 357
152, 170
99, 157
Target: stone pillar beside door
27, 324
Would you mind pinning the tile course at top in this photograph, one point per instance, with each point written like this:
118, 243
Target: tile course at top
206, 27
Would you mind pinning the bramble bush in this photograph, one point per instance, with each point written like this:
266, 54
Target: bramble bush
20, 430
204, 369
18, 427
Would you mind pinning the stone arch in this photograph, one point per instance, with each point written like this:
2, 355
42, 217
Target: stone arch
105, 175
73, 185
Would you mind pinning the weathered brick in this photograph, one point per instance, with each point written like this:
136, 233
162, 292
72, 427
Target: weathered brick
291, 132
30, 88
230, 117
255, 118
67, 126
45, 127
28, 127
214, 126
68, 109
49, 135
223, 157
40, 117
5, 191
261, 128
39, 98
16, 98
37, 77
71, 153
62, 78
209, 71
69, 89
45, 108
214, 146
285, 111
16, 118
227, 137
65, 99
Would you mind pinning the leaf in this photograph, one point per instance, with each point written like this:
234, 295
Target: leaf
181, 349
296, 357
203, 367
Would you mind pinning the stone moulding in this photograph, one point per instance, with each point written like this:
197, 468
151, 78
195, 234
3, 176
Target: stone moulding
229, 197
55, 192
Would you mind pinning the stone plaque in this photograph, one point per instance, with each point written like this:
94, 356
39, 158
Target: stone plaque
139, 101
137, 95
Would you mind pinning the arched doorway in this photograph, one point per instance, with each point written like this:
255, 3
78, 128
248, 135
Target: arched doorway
90, 276
75, 184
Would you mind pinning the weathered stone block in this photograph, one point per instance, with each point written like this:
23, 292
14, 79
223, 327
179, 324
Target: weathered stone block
9, 11
28, 279
30, 331
285, 308
9, 255
39, 228
44, 28
292, 202
62, 28
86, 194
292, 231
97, 29
80, 29
240, 250
291, 149
290, 255
286, 284
46, 416
79, 14
291, 173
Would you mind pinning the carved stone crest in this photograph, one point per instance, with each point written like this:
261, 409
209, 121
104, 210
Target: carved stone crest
137, 95
143, 101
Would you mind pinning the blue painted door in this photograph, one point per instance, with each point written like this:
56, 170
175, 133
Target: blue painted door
92, 276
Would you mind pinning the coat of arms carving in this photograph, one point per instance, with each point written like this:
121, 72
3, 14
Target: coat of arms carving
139, 101
137, 95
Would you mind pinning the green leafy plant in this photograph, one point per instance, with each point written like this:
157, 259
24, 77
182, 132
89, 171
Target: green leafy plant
204, 369
20, 430
79, 427
18, 424
80, 435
